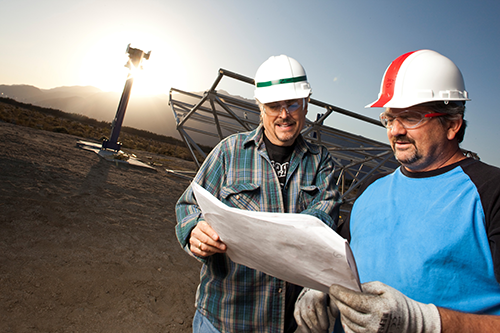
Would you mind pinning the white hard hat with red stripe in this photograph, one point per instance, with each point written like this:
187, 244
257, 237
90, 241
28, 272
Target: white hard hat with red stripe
419, 77
281, 78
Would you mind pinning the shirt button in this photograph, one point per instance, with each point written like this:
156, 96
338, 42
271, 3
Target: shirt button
237, 197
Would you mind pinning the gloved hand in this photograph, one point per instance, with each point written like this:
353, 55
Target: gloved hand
311, 313
380, 308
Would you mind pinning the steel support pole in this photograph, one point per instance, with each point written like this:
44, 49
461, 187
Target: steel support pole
116, 126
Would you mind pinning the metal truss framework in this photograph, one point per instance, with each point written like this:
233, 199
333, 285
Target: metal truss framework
214, 115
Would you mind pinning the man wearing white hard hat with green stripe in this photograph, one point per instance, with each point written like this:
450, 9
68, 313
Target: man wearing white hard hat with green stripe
269, 169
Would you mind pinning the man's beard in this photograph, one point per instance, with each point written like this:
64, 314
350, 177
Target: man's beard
414, 155
282, 136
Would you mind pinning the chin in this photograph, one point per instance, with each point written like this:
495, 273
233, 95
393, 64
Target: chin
286, 138
409, 161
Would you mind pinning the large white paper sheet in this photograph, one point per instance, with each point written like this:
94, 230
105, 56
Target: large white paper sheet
297, 248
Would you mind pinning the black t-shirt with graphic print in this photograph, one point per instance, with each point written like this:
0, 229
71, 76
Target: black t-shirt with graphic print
280, 159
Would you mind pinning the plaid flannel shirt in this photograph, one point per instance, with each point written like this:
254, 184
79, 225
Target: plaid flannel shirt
238, 172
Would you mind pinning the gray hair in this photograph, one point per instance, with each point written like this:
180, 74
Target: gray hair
453, 110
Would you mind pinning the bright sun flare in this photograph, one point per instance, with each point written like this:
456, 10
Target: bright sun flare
104, 66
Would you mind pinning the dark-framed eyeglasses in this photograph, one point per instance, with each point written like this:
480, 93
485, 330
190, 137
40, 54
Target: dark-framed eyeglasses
409, 119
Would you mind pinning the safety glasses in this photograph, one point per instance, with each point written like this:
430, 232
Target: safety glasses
291, 106
408, 119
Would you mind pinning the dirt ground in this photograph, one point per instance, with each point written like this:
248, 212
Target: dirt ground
87, 245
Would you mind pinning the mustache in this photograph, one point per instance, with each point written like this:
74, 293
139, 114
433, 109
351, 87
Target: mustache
284, 122
402, 138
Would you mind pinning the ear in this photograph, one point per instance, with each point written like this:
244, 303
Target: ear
453, 126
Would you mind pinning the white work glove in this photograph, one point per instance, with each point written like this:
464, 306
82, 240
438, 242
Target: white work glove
311, 313
380, 308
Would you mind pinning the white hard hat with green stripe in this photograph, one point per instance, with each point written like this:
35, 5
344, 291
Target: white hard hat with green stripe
281, 78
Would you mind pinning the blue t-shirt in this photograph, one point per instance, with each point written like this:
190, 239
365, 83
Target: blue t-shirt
434, 236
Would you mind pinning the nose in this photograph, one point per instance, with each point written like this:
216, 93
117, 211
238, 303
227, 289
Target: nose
397, 128
285, 109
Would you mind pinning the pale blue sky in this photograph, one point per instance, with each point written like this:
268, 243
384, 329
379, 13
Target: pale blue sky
345, 47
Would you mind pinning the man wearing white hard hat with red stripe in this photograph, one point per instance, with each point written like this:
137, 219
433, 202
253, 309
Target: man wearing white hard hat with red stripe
426, 237
270, 169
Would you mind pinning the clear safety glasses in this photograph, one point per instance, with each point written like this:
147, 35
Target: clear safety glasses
408, 119
291, 106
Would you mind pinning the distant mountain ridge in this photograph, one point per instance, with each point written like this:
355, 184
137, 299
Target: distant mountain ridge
150, 113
